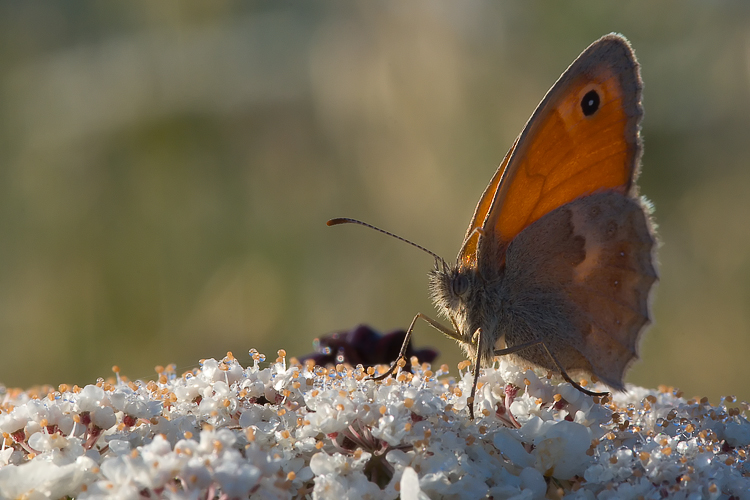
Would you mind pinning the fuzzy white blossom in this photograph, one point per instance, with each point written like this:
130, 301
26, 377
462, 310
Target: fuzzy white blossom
284, 430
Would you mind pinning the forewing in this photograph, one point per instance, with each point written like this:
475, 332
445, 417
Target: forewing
567, 151
468, 253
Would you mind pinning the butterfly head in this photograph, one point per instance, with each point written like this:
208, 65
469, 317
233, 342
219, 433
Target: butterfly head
456, 293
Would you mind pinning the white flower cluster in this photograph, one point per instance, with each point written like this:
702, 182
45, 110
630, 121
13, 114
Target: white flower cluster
301, 431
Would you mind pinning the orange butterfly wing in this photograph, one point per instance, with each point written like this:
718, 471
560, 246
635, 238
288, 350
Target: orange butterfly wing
468, 252
582, 138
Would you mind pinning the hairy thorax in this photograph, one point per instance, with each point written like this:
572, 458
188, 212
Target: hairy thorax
472, 304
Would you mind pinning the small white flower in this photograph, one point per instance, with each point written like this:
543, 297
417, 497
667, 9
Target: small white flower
90, 398
562, 450
265, 431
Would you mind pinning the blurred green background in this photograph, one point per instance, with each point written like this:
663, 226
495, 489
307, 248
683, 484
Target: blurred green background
167, 168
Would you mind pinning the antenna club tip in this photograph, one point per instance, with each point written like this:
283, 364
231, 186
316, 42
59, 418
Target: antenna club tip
336, 221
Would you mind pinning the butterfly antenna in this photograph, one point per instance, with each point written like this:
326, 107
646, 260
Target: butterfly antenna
346, 220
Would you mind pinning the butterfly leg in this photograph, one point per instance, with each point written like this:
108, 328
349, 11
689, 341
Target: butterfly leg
407, 338
519, 347
500, 352
477, 366
567, 377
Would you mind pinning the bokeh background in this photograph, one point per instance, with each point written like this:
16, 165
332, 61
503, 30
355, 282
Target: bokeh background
167, 168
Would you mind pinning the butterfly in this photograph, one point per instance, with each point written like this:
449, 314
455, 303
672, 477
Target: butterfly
558, 262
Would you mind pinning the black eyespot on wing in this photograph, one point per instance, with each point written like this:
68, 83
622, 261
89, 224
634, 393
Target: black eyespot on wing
590, 103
